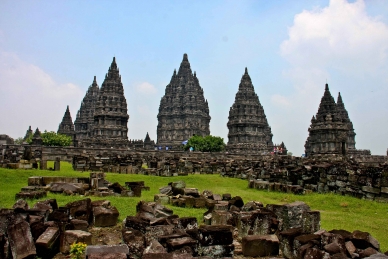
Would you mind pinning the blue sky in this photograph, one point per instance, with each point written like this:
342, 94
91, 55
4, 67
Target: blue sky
50, 51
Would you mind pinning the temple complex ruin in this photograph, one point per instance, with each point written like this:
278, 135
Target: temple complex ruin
66, 127
183, 110
248, 126
331, 130
85, 116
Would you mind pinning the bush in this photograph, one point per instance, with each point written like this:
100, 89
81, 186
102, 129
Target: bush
55, 139
206, 144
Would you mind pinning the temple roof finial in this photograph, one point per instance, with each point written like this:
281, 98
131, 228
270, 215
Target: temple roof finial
185, 58
246, 70
326, 87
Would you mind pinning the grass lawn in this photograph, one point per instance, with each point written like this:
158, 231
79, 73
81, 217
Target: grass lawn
337, 212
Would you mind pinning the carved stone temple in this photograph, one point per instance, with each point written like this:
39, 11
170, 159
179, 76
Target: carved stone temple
66, 127
183, 110
85, 117
248, 126
331, 131
110, 113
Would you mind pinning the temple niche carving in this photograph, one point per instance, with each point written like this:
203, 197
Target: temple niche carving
66, 127
248, 126
183, 110
110, 113
331, 130
85, 116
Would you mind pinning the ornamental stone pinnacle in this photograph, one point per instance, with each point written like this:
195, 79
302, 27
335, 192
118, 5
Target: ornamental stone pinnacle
183, 110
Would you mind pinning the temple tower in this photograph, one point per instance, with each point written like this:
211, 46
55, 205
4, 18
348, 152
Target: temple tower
345, 118
183, 110
66, 127
111, 114
248, 126
331, 131
29, 133
85, 115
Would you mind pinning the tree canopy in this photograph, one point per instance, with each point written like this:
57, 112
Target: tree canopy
205, 144
51, 138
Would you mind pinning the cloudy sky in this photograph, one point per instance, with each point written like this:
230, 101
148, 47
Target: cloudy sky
50, 51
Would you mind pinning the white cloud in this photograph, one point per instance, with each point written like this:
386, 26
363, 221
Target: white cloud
146, 88
339, 43
340, 36
30, 96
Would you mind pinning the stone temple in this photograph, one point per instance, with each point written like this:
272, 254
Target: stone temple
331, 130
248, 126
66, 127
110, 113
183, 110
85, 116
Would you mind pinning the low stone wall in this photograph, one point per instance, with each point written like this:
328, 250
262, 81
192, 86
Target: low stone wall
357, 175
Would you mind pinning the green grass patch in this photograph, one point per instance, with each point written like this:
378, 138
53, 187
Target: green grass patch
337, 212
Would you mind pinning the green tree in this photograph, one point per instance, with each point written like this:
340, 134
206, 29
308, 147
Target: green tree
19, 141
206, 144
51, 138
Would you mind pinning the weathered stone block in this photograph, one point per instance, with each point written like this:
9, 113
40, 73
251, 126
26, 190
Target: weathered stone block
135, 240
311, 221
220, 217
107, 251
287, 241
215, 235
291, 215
78, 224
263, 245
363, 240
20, 240
105, 217
137, 223
370, 189
216, 251
48, 243
74, 236
162, 199
80, 209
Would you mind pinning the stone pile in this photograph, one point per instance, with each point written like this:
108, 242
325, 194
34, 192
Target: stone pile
155, 232
328, 244
95, 185
46, 229
176, 193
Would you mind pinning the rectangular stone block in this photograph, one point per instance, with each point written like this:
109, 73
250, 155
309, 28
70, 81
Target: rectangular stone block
370, 189
260, 246
384, 190
220, 217
215, 235
20, 240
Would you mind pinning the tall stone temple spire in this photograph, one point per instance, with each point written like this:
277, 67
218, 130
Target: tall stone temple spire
248, 126
345, 118
111, 113
85, 116
331, 131
183, 110
66, 127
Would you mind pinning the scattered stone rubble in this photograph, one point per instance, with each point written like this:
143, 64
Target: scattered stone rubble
46, 229
235, 228
95, 185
